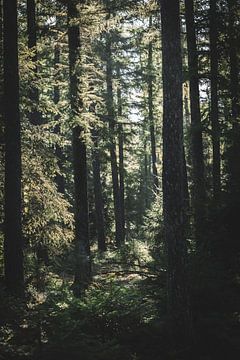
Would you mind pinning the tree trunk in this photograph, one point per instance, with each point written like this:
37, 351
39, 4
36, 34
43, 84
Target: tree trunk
83, 266
199, 191
119, 238
150, 114
34, 115
234, 164
1, 84
59, 153
214, 101
13, 243
173, 174
121, 155
98, 194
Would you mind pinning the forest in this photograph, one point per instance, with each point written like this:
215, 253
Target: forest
119, 180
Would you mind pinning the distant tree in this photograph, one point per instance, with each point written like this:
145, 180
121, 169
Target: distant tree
56, 97
119, 234
121, 152
98, 193
214, 101
150, 113
199, 190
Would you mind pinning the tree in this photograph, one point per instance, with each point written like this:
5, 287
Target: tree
199, 191
56, 97
82, 247
150, 113
99, 206
234, 167
13, 243
173, 173
214, 116
121, 152
34, 114
119, 235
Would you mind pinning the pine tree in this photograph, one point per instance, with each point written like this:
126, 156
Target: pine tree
173, 173
82, 247
214, 113
199, 190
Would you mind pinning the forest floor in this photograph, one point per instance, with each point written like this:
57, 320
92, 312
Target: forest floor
120, 317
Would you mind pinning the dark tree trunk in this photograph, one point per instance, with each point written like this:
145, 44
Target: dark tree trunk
173, 174
150, 114
234, 163
1, 82
99, 205
119, 238
2, 148
83, 265
199, 191
13, 243
214, 100
34, 115
121, 155
59, 153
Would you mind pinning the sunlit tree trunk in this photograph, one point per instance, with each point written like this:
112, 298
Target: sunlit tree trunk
121, 155
13, 244
82, 247
150, 114
173, 174
98, 194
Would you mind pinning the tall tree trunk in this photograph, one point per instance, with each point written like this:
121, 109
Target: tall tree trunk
1, 82
173, 173
83, 266
13, 243
2, 148
214, 100
99, 207
119, 238
121, 155
150, 113
59, 153
199, 191
34, 115
234, 164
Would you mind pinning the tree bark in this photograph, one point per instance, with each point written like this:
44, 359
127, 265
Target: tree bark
59, 153
173, 174
214, 116
199, 191
13, 243
34, 115
150, 114
234, 165
1, 82
82, 250
99, 204
121, 156
119, 238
